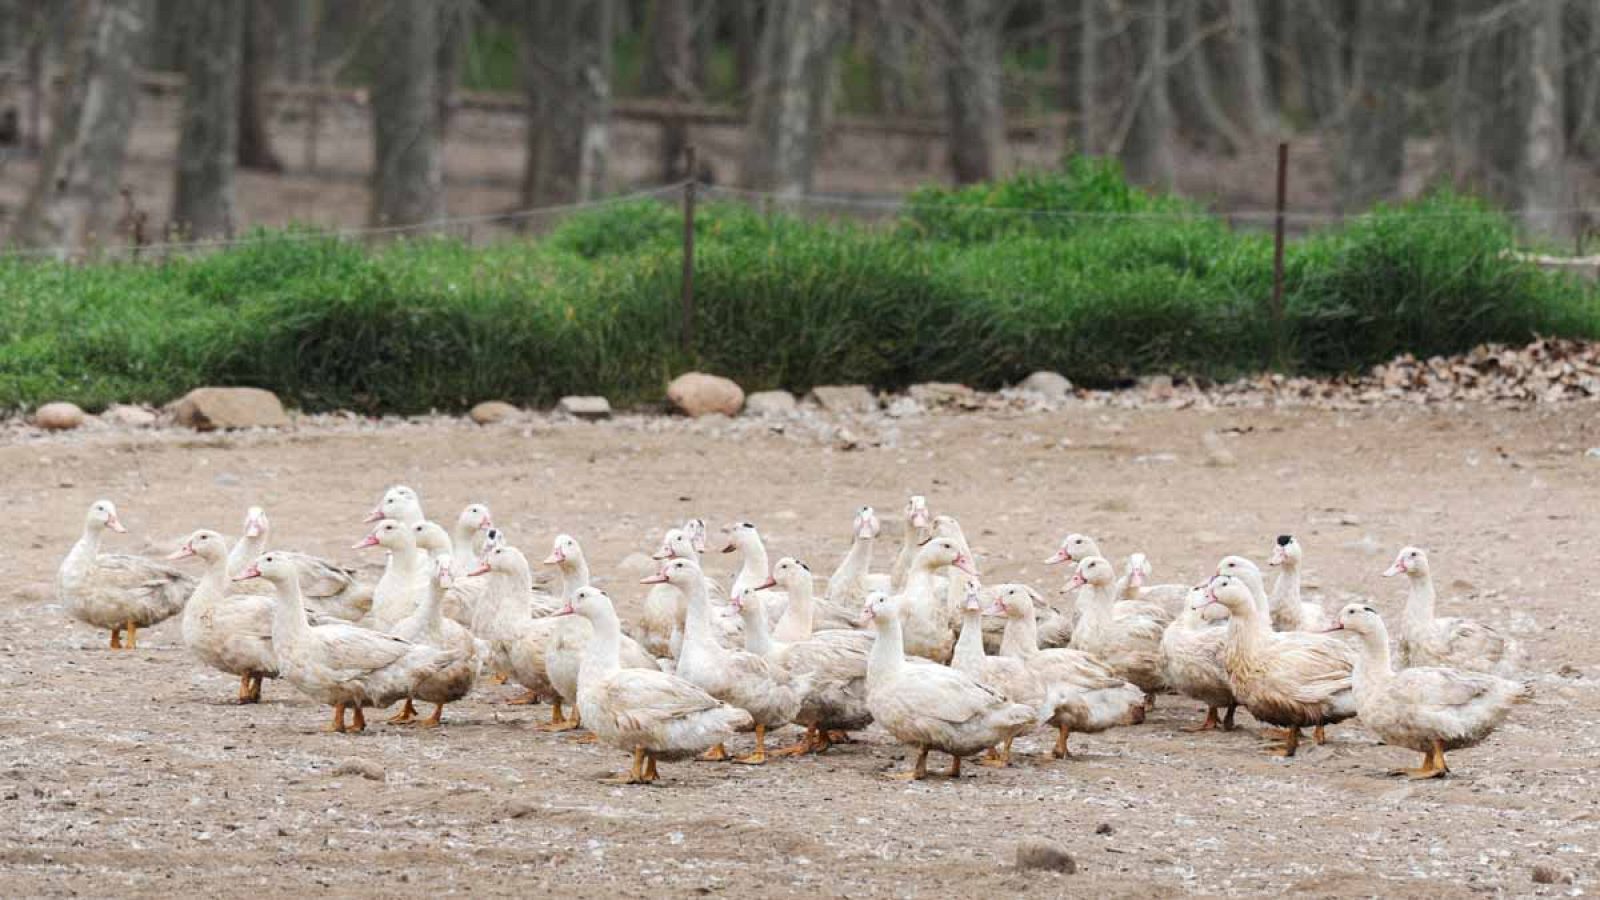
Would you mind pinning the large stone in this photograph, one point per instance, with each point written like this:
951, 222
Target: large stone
58, 416
212, 408
699, 394
844, 398
769, 403
490, 412
581, 407
128, 416
1045, 856
935, 394
1051, 385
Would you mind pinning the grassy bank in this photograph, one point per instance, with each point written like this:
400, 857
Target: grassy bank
965, 285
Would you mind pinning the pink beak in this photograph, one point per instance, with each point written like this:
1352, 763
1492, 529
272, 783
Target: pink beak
1399, 568
482, 569
252, 528
1060, 556
486, 524
370, 540
770, 582
1338, 627
961, 562
1136, 578
250, 571
657, 578
1077, 581
995, 609
556, 557
375, 515
566, 610
663, 553
115, 524
184, 552
1277, 557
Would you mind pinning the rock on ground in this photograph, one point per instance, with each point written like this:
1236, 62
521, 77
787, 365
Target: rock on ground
1045, 856
212, 408
58, 416
128, 416
366, 768
490, 412
844, 398
583, 407
1051, 385
698, 394
769, 403
939, 393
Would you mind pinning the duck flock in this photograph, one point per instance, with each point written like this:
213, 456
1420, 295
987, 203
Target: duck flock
926, 651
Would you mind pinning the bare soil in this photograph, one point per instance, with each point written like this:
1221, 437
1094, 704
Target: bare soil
132, 773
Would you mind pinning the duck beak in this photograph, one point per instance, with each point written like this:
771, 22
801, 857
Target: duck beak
1136, 578
115, 524
555, 558
184, 552
769, 583
1277, 557
1331, 628
375, 515
486, 524
657, 578
482, 569
1077, 581
1060, 556
370, 540
1399, 568
663, 553
250, 571
994, 609
566, 610
252, 528
961, 562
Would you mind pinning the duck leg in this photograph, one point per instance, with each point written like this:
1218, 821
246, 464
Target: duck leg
1319, 734
636, 775
358, 721
955, 767
1290, 743
255, 689
1438, 757
807, 744
338, 719
433, 721
531, 697
918, 771
650, 768
499, 678
558, 720
1060, 751
587, 737
997, 757
758, 757
133, 635
1433, 765
1149, 700
1227, 720
1209, 724
840, 737
715, 754
244, 688
407, 713
116, 639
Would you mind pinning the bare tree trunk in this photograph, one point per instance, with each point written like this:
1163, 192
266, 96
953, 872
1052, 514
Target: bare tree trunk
1243, 68
793, 88
976, 113
255, 68
1319, 33
1384, 68
1092, 124
297, 40
1541, 179
1147, 150
408, 172
33, 143
454, 26
1195, 103
746, 41
72, 200
203, 202
891, 56
670, 72
566, 67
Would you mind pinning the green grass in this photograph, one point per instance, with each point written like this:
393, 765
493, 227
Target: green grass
965, 285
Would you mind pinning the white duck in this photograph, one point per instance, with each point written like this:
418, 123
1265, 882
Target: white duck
1192, 653
1008, 675
754, 570
505, 620
1134, 587
918, 528
853, 579
1075, 548
1129, 641
429, 627
468, 536
662, 620
832, 661
462, 593
1290, 679
405, 577
343, 665
1082, 693
117, 591
1289, 611
737, 677
329, 588
1454, 642
928, 706
399, 503
231, 634
1426, 709
928, 631
1247, 571
563, 651
646, 712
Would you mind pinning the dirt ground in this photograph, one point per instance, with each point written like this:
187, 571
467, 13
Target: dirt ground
132, 773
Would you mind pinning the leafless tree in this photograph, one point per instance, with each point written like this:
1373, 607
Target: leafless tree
792, 94
408, 171
566, 70
257, 47
203, 201
1385, 65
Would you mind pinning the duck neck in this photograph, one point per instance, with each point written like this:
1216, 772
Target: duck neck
1247, 626
574, 576
1096, 612
512, 605
246, 548
87, 547
602, 655
697, 613
888, 651
404, 561
753, 569
969, 646
1286, 588
1373, 668
796, 622
430, 613
289, 624
1021, 637
757, 638
913, 538
213, 581
461, 549
855, 566
1419, 600
919, 584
